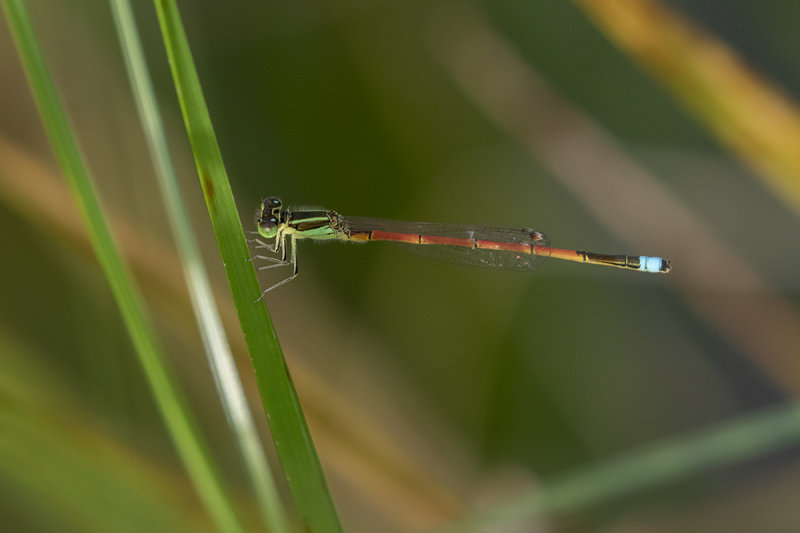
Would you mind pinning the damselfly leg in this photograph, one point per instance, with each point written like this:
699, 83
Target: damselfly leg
280, 246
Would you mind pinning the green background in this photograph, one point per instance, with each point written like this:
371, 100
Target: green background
467, 383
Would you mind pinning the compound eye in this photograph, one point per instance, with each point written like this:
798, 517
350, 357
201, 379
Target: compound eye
272, 204
268, 227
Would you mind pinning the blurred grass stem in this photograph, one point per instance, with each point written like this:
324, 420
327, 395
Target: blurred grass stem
671, 460
746, 113
220, 358
165, 390
288, 425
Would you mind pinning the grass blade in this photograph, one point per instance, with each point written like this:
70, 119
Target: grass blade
287, 422
229, 386
672, 460
747, 114
151, 356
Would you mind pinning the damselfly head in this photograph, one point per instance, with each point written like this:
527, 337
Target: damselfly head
271, 205
268, 217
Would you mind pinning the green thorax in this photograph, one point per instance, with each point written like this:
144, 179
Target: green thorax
311, 224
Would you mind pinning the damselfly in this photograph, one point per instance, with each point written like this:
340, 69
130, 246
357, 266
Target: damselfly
503, 248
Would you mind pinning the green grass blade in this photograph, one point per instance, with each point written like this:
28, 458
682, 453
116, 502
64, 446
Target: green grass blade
669, 461
66, 472
289, 429
151, 356
229, 386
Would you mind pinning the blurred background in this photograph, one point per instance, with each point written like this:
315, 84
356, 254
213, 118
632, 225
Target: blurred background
436, 393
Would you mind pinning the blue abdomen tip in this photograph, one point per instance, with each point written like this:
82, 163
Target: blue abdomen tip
650, 264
